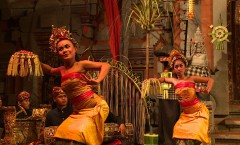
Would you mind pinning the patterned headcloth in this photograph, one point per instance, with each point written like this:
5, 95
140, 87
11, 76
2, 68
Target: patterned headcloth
23, 95
174, 55
57, 91
60, 33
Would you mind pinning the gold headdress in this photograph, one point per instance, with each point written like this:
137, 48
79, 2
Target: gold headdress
24, 63
57, 91
174, 55
60, 33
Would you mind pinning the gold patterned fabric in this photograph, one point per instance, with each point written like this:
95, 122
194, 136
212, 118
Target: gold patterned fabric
75, 86
86, 124
49, 134
194, 120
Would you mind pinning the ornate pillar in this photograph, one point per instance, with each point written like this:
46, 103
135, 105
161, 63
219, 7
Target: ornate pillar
176, 25
206, 21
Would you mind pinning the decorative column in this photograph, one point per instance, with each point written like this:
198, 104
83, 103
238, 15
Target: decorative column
176, 25
9, 122
206, 21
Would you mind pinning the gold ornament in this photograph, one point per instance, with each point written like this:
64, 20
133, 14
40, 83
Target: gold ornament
166, 86
219, 35
24, 63
174, 55
190, 9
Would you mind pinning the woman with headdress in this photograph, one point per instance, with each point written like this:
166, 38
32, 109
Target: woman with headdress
23, 110
86, 124
192, 126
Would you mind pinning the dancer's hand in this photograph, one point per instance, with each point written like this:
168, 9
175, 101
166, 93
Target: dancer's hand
162, 79
92, 82
204, 90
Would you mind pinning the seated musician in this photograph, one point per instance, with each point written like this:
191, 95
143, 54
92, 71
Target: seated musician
58, 114
23, 110
63, 108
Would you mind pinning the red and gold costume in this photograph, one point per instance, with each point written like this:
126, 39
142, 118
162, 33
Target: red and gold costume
86, 124
194, 120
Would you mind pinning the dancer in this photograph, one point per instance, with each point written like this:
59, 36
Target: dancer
192, 126
86, 124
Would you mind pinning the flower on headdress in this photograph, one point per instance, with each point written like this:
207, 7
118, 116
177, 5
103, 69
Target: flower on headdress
60, 33
57, 91
23, 95
174, 55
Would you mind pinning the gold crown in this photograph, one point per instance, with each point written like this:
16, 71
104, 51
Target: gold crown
60, 33
174, 55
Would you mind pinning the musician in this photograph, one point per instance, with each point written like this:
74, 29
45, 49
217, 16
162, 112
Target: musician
23, 105
63, 108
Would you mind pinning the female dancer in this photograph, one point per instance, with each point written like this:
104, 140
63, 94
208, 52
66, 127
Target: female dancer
86, 124
192, 126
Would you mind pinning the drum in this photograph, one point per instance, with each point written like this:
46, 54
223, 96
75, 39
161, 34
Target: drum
25, 131
49, 135
39, 113
111, 132
129, 132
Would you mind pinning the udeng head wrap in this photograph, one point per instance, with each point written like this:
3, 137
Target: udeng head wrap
23, 95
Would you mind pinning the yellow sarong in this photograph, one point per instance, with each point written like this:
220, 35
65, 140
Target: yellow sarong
193, 122
86, 124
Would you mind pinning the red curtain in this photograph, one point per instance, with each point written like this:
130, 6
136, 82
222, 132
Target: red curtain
114, 26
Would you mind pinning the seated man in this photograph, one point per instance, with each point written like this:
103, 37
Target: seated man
63, 109
58, 114
23, 110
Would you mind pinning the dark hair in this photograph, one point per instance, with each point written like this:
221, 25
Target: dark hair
77, 57
166, 66
181, 59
